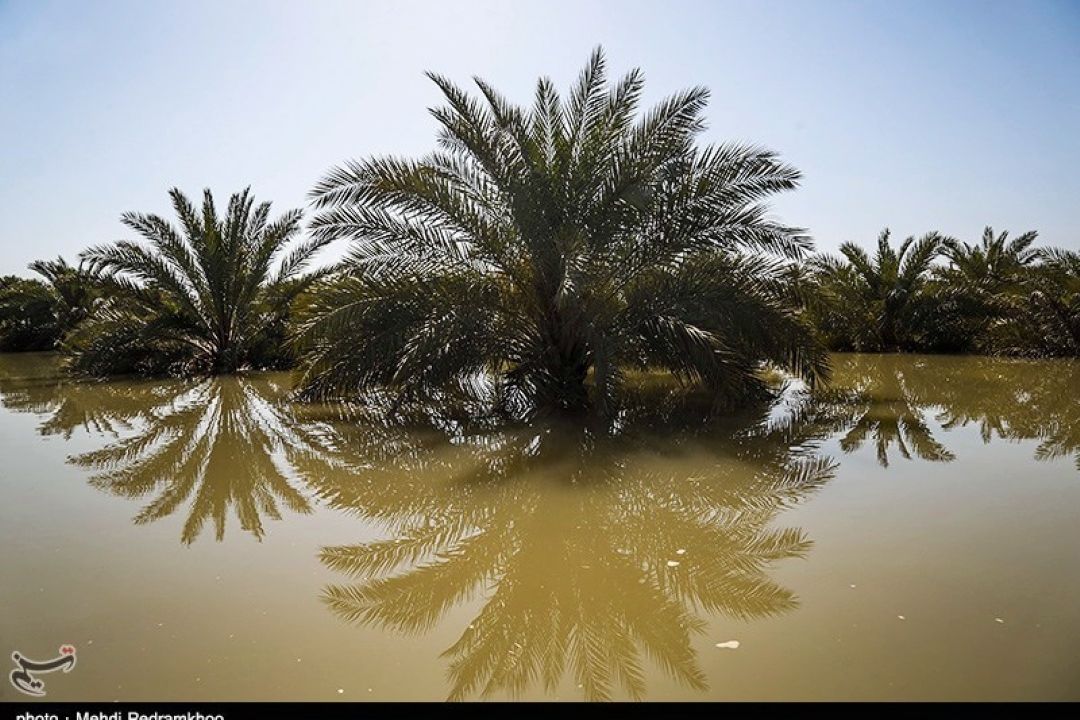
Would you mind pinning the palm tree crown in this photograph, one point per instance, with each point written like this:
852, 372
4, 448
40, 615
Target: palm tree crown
876, 299
553, 247
207, 297
35, 314
993, 263
74, 290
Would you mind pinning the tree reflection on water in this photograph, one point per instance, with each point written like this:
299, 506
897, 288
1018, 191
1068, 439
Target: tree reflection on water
584, 554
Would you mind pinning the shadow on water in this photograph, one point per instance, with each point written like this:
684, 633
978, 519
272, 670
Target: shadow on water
580, 553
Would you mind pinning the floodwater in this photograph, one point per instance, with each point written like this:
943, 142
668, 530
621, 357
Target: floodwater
911, 534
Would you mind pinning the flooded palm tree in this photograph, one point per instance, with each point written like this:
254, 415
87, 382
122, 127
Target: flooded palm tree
973, 293
874, 302
1045, 321
35, 314
552, 248
209, 297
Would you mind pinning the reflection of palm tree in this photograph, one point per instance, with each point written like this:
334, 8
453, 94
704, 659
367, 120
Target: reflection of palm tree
587, 555
996, 395
34, 382
27, 380
214, 445
890, 399
1013, 399
872, 399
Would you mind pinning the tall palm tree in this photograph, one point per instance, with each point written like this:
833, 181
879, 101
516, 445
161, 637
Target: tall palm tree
874, 303
203, 298
551, 248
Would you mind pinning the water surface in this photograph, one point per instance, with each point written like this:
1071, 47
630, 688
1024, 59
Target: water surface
910, 533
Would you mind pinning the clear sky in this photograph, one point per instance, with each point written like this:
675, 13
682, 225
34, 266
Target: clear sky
946, 115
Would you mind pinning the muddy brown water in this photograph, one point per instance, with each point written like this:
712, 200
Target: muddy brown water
909, 534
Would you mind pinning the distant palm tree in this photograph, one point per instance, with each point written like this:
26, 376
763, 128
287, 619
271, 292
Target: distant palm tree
875, 301
554, 247
208, 298
1046, 317
990, 266
976, 290
36, 314
74, 290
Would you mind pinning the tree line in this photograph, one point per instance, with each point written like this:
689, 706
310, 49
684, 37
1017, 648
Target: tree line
546, 252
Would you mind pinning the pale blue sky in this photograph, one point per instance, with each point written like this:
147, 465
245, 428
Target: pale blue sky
945, 115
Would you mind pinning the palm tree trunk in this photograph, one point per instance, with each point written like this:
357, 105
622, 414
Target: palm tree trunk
566, 366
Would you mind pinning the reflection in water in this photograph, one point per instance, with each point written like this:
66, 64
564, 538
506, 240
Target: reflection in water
890, 399
586, 555
211, 446
1012, 400
34, 383
874, 402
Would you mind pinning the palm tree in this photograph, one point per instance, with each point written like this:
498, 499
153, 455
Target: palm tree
551, 248
991, 266
210, 297
1044, 320
75, 290
875, 303
973, 293
36, 314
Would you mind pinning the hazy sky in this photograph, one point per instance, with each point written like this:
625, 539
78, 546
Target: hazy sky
937, 115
